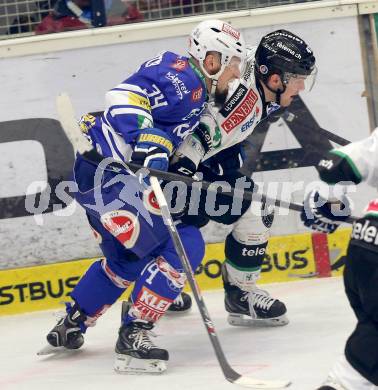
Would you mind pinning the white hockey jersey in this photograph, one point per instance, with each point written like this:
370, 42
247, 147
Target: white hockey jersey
244, 109
362, 157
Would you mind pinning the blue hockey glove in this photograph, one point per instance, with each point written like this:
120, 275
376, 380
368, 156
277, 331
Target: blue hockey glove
317, 212
152, 150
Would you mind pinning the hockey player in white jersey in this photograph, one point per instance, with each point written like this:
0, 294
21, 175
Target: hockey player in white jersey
357, 162
282, 66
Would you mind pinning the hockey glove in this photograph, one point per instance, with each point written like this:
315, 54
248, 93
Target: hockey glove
318, 213
190, 153
152, 150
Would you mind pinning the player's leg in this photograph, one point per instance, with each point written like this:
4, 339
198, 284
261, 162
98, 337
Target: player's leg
361, 277
118, 212
358, 368
245, 249
159, 284
344, 377
101, 285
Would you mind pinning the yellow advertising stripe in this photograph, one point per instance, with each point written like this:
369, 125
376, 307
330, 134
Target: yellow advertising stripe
45, 287
288, 258
39, 288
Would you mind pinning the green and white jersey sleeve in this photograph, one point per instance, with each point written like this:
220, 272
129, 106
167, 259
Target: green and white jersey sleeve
356, 162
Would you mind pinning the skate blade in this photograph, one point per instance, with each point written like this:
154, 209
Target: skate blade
244, 320
50, 350
125, 364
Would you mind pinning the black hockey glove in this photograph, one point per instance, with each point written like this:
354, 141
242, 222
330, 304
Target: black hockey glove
228, 160
318, 213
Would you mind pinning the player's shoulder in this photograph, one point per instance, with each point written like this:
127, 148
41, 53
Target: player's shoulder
179, 71
183, 81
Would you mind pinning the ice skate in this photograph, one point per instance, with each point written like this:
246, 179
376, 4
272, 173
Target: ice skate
66, 334
136, 353
182, 304
251, 308
255, 308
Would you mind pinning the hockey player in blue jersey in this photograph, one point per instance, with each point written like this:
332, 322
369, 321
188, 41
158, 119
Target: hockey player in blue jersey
147, 117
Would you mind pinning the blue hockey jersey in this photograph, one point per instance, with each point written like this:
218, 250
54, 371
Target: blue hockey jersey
167, 92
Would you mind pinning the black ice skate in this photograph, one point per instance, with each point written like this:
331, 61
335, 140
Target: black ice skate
254, 308
181, 304
66, 334
136, 353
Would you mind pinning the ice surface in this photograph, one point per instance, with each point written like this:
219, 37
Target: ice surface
302, 351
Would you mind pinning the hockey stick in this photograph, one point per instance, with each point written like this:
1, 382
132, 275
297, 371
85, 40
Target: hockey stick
81, 145
230, 374
289, 116
66, 116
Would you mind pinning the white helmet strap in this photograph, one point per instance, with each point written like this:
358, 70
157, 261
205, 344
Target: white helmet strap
214, 77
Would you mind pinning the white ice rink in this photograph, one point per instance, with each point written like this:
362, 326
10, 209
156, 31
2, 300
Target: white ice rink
302, 351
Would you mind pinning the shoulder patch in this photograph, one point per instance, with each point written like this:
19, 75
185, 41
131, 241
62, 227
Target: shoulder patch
179, 65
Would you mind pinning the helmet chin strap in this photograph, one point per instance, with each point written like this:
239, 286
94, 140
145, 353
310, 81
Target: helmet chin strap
214, 78
278, 92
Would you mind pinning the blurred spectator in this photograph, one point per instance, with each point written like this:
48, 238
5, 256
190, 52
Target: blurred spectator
191, 6
66, 16
70, 15
131, 14
21, 24
44, 6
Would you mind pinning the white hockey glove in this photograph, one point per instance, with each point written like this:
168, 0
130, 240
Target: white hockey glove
190, 153
319, 213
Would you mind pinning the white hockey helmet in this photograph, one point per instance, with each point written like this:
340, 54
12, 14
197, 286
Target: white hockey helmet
216, 35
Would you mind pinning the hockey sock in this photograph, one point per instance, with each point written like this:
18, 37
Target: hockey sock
97, 291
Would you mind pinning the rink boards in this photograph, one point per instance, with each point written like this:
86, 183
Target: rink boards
288, 258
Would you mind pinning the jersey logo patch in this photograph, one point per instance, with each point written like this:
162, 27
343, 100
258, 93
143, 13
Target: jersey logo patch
150, 306
176, 279
197, 94
230, 31
178, 85
241, 112
364, 231
234, 100
151, 203
179, 65
123, 225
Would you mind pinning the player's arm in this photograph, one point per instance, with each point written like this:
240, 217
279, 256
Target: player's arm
355, 162
191, 151
350, 164
194, 147
130, 114
128, 109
